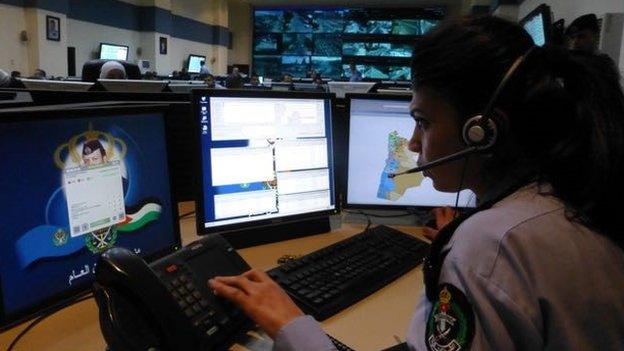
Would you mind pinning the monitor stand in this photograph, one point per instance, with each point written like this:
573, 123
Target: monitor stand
277, 232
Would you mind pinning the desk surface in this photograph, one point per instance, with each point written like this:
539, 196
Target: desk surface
372, 324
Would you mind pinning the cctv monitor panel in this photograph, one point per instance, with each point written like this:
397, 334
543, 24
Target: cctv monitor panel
265, 158
194, 63
380, 128
81, 181
113, 52
538, 24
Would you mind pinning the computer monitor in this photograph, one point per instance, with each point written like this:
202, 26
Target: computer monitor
113, 52
77, 182
56, 85
266, 158
194, 63
342, 88
133, 85
538, 23
380, 127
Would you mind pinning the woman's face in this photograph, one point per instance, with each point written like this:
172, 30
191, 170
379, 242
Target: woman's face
437, 133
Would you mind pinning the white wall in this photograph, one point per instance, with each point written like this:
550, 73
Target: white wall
179, 49
86, 38
51, 55
571, 9
13, 52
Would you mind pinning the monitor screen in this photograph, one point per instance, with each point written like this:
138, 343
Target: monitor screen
379, 132
265, 157
86, 181
538, 24
113, 52
364, 36
194, 63
535, 27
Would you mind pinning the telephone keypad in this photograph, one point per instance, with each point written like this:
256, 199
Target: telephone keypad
193, 303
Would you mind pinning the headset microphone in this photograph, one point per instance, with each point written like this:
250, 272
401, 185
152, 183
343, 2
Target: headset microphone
479, 132
440, 161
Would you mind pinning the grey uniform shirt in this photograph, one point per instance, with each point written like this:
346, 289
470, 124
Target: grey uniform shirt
533, 280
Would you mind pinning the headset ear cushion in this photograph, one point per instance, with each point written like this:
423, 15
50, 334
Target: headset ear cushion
476, 134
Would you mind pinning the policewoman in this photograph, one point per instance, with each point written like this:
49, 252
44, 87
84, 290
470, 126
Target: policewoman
538, 135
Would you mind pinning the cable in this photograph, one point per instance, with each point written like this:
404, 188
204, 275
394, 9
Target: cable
188, 214
368, 220
41, 318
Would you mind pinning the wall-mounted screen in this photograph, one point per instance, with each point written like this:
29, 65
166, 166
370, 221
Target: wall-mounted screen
379, 41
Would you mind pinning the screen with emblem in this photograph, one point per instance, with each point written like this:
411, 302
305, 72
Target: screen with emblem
79, 184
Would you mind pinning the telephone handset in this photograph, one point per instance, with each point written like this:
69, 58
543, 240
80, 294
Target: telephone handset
167, 304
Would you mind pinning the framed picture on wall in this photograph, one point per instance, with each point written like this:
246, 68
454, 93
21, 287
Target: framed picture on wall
163, 45
53, 28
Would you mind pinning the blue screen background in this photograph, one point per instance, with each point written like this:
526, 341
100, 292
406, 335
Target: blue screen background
31, 188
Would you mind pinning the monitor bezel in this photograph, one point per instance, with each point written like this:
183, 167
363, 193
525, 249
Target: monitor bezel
547, 21
244, 228
188, 62
345, 180
111, 44
69, 296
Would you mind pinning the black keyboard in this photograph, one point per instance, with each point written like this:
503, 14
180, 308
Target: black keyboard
333, 278
339, 345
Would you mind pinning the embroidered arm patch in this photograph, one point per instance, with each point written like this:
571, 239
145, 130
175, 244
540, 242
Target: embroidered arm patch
450, 325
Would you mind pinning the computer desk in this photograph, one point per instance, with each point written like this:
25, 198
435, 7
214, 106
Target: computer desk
374, 323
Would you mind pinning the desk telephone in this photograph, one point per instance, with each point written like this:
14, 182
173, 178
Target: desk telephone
167, 305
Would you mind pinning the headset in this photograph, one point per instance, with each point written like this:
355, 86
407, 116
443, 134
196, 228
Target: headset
480, 134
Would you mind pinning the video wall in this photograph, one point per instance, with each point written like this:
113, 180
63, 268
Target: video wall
298, 41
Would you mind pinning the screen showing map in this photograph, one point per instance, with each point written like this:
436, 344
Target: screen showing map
379, 133
83, 185
265, 158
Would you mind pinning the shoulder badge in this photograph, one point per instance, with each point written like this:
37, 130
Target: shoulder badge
450, 325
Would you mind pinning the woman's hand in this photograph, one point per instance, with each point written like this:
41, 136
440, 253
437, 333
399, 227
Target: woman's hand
442, 216
259, 297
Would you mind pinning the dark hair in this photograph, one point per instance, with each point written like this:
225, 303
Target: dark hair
564, 112
234, 82
585, 22
91, 146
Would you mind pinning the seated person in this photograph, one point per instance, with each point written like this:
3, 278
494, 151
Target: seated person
112, 70
355, 74
537, 265
39, 74
184, 75
211, 82
287, 78
234, 80
254, 80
